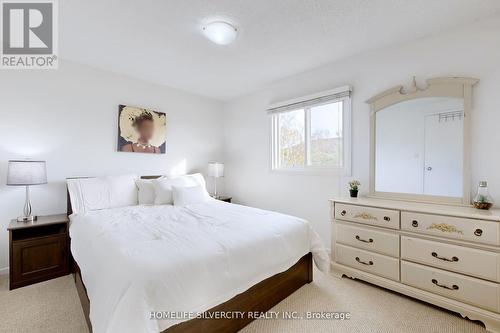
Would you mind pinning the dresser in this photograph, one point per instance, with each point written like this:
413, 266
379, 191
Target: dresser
445, 255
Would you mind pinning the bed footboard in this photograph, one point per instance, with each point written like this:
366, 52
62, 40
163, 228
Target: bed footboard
260, 297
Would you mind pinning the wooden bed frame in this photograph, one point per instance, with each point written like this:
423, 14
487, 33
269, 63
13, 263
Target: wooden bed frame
258, 298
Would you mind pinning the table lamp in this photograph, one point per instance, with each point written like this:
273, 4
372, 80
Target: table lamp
26, 173
216, 170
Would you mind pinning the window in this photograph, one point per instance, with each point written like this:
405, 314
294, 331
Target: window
312, 133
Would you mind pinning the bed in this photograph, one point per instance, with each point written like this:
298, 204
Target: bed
175, 269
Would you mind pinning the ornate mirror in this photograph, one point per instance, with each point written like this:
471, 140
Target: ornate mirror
419, 142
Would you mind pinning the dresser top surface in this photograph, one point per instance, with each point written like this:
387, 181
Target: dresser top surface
439, 209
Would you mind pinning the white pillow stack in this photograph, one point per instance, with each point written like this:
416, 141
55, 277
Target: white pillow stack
164, 187
87, 194
123, 190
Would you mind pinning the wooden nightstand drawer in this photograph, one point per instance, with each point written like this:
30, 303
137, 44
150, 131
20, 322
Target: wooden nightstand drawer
39, 250
39, 259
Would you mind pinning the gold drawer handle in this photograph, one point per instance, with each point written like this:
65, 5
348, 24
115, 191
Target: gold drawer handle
370, 240
443, 227
435, 255
365, 216
453, 287
369, 263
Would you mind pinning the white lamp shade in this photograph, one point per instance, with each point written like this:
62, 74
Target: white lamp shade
23, 173
216, 169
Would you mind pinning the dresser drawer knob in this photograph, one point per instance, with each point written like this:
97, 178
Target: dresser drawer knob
343, 213
387, 218
414, 223
435, 255
364, 240
369, 263
453, 287
478, 232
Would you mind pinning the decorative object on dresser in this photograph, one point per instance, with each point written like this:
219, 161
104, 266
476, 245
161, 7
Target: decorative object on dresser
215, 170
39, 250
445, 255
353, 188
26, 173
482, 200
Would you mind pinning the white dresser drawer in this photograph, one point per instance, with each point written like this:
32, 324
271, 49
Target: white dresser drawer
376, 216
482, 264
469, 290
368, 239
367, 261
480, 231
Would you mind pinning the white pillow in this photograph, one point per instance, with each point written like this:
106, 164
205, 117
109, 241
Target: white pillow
123, 190
187, 195
163, 187
163, 190
146, 191
195, 179
88, 194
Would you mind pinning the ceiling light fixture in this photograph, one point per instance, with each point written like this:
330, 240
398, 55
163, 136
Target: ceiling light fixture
220, 32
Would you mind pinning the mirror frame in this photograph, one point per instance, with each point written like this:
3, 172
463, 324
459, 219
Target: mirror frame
457, 87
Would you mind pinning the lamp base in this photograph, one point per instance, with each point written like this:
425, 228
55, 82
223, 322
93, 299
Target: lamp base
29, 218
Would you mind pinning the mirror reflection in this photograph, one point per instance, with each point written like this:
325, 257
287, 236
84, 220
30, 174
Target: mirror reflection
419, 147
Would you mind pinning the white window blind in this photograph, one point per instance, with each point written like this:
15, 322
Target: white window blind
312, 133
307, 101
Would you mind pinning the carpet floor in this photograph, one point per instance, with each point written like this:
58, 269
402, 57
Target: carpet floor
53, 307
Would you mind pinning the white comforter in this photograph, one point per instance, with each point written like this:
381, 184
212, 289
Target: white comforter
139, 259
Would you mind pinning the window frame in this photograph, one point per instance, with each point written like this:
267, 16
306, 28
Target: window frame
345, 169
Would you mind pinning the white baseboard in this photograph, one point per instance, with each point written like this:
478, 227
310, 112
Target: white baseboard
4, 271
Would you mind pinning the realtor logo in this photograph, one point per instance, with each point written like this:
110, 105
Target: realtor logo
29, 34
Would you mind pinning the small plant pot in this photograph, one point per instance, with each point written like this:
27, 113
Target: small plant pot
354, 193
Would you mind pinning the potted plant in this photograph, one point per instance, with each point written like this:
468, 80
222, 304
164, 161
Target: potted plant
482, 200
354, 187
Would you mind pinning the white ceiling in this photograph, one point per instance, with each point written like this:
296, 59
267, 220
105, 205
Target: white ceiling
161, 41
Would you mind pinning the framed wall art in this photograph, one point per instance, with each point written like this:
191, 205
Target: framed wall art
141, 130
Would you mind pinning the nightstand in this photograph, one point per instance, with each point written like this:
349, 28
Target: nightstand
224, 198
39, 250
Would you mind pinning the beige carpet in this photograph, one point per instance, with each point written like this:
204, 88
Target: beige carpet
54, 307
